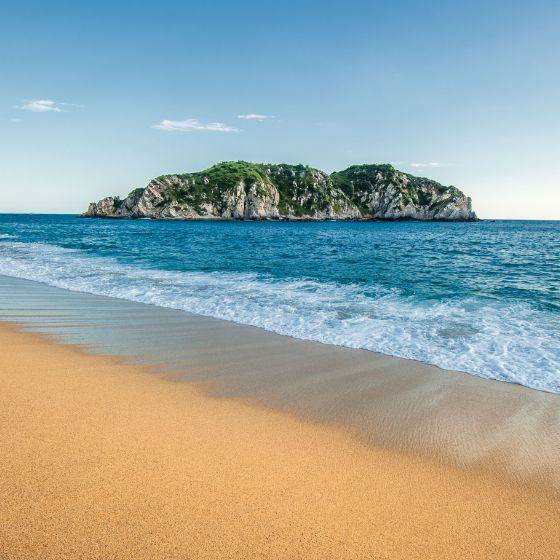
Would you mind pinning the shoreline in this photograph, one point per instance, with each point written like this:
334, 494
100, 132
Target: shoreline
383, 401
106, 459
279, 219
410, 360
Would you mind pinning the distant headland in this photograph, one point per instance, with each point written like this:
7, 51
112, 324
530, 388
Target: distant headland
255, 191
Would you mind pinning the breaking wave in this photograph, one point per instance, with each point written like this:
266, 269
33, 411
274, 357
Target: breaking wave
508, 341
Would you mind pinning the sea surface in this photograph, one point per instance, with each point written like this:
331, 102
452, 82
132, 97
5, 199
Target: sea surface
482, 298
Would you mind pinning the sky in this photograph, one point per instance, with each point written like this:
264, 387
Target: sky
97, 98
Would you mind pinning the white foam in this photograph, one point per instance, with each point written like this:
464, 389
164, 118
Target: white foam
507, 341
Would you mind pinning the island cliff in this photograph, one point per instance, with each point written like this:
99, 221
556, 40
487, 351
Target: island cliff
242, 190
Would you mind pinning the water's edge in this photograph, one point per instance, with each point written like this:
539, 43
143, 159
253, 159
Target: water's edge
385, 401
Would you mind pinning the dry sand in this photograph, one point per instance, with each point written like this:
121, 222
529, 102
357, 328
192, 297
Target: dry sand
103, 460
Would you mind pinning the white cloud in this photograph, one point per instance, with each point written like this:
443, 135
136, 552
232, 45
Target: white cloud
45, 106
430, 164
255, 117
42, 106
192, 124
15, 120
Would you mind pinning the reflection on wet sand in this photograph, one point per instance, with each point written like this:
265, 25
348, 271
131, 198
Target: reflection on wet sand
399, 404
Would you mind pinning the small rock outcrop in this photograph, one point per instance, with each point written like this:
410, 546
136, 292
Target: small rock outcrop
252, 191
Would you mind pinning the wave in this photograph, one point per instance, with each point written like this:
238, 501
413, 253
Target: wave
503, 340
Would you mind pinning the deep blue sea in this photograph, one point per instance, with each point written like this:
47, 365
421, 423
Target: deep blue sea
483, 298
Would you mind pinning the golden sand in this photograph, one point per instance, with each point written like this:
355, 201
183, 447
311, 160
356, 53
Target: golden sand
103, 460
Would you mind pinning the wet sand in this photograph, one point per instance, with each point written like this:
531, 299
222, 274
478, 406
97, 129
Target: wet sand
383, 401
101, 459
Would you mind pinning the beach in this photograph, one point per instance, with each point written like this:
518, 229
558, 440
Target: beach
281, 282
382, 401
107, 460
162, 398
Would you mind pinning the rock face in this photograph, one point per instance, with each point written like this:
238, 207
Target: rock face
241, 190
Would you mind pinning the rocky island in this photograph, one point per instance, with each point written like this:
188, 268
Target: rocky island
255, 191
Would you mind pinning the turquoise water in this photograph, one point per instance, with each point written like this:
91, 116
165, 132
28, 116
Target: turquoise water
483, 298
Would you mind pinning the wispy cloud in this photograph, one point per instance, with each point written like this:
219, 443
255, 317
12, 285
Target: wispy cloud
255, 117
45, 106
42, 106
192, 124
15, 120
430, 164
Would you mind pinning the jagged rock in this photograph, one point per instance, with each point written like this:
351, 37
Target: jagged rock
241, 190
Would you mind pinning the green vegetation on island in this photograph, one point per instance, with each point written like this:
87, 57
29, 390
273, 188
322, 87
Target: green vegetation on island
244, 190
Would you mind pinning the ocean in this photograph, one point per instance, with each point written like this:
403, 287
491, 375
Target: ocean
481, 297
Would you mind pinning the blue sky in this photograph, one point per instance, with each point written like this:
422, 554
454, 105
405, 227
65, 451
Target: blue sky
98, 98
